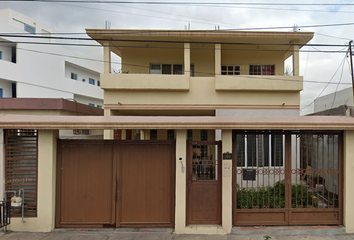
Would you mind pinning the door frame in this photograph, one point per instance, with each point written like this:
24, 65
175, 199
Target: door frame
189, 177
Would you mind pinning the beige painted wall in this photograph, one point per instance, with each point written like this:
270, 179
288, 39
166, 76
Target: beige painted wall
45, 220
226, 136
245, 58
202, 91
348, 160
137, 60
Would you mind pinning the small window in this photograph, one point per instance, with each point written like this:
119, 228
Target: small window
230, 70
166, 69
192, 70
177, 69
98, 83
153, 134
190, 134
91, 104
29, 29
1, 93
74, 76
81, 132
83, 80
203, 135
170, 134
91, 81
155, 68
0, 55
262, 70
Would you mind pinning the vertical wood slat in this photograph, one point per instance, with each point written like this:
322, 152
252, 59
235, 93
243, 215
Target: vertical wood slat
21, 167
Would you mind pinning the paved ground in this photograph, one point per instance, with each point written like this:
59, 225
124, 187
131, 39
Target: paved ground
167, 234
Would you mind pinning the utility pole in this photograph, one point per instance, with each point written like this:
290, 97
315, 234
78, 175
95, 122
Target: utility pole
351, 65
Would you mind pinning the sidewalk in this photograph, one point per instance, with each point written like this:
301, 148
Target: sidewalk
276, 233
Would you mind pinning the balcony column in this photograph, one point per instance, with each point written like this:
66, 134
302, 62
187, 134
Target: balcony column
218, 59
187, 59
107, 57
296, 61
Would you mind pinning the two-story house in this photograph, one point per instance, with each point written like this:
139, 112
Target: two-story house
202, 134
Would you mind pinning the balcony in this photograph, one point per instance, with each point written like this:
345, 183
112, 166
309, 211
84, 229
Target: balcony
258, 83
145, 82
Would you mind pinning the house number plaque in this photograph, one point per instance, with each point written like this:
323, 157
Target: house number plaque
227, 156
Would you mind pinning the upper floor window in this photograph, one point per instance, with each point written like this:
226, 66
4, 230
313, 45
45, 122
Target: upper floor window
91, 104
92, 81
98, 83
0, 55
29, 29
230, 70
73, 76
158, 68
262, 69
176, 69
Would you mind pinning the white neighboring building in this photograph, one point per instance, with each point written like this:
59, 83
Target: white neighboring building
334, 100
35, 71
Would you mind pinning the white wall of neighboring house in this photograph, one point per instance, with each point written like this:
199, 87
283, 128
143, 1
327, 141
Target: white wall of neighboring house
44, 71
334, 100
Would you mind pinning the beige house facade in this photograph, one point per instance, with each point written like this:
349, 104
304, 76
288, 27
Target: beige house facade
202, 133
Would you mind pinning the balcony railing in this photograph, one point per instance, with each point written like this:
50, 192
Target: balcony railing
145, 82
258, 83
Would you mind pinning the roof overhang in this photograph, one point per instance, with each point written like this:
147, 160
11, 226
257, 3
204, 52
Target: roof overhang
124, 38
138, 122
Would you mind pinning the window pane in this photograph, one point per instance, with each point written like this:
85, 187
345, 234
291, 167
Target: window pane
230, 68
223, 68
155, 69
177, 69
192, 70
166, 69
240, 144
277, 150
251, 151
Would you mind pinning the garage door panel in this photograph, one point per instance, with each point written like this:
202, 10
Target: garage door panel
86, 184
146, 184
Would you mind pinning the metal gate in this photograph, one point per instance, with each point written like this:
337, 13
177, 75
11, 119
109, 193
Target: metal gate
287, 178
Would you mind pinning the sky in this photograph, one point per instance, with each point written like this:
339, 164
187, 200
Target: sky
319, 67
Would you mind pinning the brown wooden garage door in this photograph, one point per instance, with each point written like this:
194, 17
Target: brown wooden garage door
146, 184
115, 183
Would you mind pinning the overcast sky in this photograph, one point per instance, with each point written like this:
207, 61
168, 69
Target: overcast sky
314, 66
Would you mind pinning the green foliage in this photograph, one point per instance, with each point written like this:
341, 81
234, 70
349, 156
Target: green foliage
274, 197
266, 237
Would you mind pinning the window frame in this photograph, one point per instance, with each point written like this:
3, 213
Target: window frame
30, 29
229, 71
92, 81
73, 76
261, 69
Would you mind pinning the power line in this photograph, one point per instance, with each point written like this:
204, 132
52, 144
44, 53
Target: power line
329, 82
190, 3
167, 41
162, 47
335, 93
207, 73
